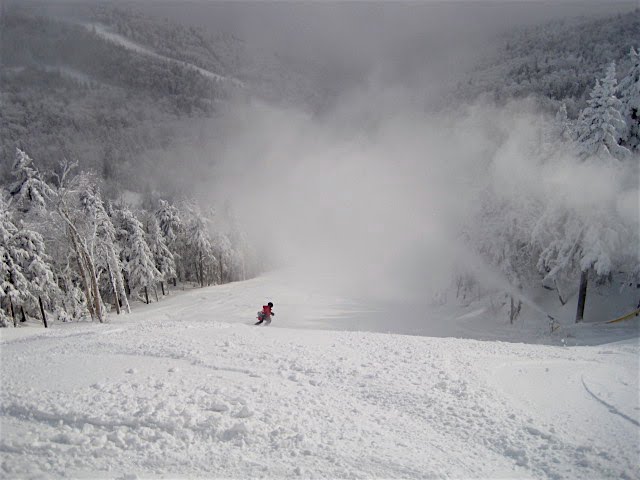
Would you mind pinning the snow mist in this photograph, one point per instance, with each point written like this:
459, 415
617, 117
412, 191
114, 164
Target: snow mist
375, 196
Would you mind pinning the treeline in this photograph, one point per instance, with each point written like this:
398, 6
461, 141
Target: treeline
68, 254
556, 62
553, 228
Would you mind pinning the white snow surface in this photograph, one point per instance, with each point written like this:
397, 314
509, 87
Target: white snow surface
189, 388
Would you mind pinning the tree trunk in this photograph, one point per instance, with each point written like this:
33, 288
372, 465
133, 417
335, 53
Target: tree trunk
562, 300
44, 315
115, 288
122, 291
13, 313
155, 291
24, 317
83, 273
582, 295
97, 300
175, 282
162, 288
81, 248
515, 310
512, 309
146, 295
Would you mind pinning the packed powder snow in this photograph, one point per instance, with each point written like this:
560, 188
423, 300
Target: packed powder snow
189, 388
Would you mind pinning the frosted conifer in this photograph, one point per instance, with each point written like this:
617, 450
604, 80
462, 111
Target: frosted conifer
36, 268
28, 189
629, 93
137, 257
169, 222
601, 124
162, 256
14, 286
199, 248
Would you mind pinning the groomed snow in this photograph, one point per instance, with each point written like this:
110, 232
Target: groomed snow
188, 388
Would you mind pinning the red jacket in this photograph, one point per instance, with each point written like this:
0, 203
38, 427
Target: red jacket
266, 309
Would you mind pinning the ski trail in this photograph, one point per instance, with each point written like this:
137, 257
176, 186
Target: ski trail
123, 41
611, 408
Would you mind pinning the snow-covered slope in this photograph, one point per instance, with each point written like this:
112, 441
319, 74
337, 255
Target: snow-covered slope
188, 388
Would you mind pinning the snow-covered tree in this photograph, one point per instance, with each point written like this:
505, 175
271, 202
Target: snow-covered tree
562, 127
224, 254
629, 94
28, 190
199, 254
34, 262
162, 256
500, 233
80, 233
169, 221
136, 255
244, 259
172, 229
102, 243
14, 286
589, 242
601, 124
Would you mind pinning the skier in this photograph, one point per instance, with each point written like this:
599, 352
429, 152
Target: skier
265, 314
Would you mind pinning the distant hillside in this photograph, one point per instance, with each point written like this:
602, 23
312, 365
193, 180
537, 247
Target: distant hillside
558, 61
263, 73
106, 85
219, 55
67, 92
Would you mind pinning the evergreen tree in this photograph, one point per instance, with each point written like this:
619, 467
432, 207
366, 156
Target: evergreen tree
591, 242
171, 227
169, 221
14, 286
601, 124
34, 262
199, 252
163, 258
244, 261
224, 254
137, 257
562, 128
28, 189
629, 93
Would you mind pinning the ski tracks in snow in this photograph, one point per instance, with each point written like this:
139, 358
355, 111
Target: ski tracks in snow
169, 396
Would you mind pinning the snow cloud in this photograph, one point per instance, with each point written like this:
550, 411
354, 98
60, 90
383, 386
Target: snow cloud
374, 195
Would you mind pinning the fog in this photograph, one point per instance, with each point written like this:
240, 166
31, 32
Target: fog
378, 207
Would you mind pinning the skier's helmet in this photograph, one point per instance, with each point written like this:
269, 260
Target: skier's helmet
270, 304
